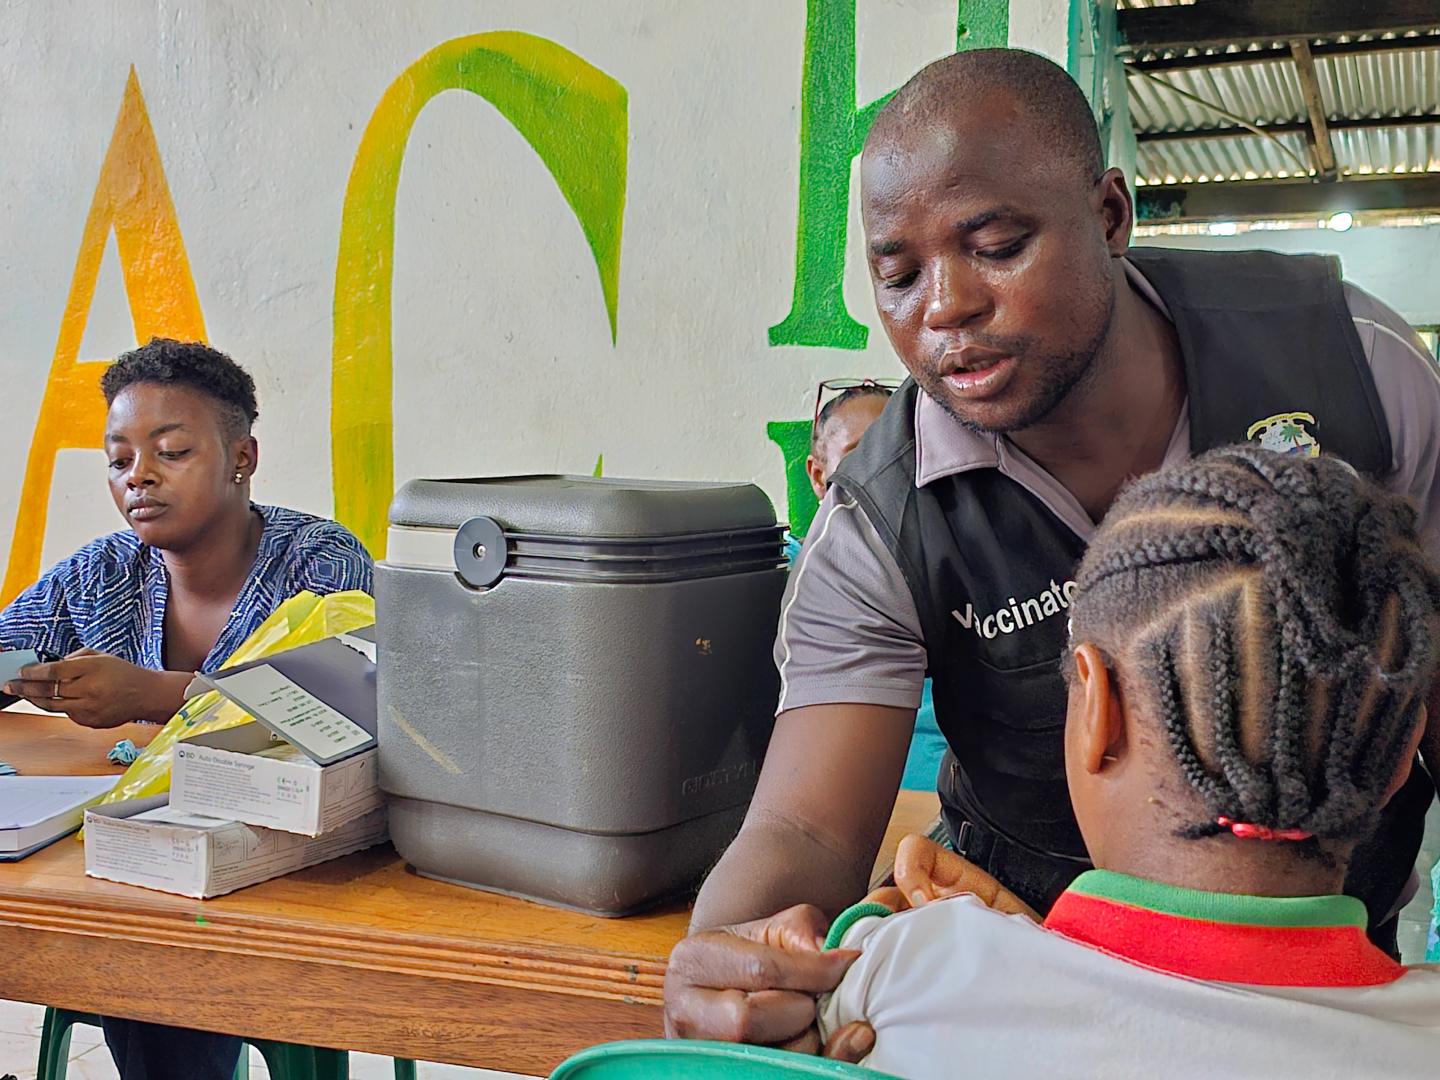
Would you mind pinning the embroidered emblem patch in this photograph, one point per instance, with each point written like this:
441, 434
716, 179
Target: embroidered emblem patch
1285, 433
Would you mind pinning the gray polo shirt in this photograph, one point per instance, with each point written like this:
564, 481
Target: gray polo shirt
848, 627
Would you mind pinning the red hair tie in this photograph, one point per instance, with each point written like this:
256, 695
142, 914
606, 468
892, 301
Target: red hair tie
1245, 831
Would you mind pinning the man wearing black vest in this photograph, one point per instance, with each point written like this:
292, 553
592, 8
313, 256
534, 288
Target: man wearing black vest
1049, 363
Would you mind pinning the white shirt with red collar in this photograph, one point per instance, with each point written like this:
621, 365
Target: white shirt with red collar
1131, 978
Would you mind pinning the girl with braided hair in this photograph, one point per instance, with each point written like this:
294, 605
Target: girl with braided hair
1251, 645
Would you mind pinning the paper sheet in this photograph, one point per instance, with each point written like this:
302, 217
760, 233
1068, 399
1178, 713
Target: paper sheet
301, 717
29, 800
12, 661
365, 648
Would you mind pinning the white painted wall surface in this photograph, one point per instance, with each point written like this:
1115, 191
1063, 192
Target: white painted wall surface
1400, 266
502, 352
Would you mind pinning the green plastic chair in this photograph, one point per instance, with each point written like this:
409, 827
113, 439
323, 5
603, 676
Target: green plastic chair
289, 1061
664, 1059
285, 1061
55, 1041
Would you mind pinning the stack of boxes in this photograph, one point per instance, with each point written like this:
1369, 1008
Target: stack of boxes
297, 787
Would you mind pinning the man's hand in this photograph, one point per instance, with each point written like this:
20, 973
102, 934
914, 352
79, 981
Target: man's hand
756, 983
101, 691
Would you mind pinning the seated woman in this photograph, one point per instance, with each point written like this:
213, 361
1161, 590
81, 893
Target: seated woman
1252, 641
136, 613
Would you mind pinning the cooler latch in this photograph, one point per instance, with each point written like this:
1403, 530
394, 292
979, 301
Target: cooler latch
480, 552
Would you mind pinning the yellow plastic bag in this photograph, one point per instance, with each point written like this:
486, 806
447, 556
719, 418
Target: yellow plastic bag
302, 619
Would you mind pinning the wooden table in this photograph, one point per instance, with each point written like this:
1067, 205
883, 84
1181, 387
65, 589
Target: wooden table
360, 953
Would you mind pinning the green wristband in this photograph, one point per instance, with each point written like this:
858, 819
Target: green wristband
849, 917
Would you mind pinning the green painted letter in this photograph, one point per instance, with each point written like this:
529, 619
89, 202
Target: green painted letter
832, 131
793, 438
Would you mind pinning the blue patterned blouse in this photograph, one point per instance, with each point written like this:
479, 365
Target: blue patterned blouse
111, 594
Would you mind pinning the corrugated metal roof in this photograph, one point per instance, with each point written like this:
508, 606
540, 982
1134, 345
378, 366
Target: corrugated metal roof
1399, 82
1361, 86
1381, 84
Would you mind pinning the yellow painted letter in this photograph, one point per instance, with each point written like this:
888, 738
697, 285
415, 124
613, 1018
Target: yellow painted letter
571, 113
133, 198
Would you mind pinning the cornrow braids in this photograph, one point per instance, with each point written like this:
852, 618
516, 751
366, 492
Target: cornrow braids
1279, 618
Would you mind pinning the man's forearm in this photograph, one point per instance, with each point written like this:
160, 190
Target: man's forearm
772, 866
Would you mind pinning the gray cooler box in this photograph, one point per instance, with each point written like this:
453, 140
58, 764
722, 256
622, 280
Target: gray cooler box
575, 681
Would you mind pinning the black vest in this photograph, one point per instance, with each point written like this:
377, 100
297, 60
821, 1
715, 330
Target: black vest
990, 566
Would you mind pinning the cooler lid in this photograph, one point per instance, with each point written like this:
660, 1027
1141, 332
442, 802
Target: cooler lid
582, 507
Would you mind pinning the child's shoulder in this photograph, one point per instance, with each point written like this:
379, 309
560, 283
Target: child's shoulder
939, 925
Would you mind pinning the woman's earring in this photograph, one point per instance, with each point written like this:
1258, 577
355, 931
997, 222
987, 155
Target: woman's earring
239, 477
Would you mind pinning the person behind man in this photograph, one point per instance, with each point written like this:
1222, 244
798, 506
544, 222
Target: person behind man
839, 425
1253, 637
1050, 362
135, 614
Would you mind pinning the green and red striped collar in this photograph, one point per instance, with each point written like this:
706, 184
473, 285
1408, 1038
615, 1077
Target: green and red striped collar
1223, 937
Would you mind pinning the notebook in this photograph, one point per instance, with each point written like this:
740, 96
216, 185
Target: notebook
38, 810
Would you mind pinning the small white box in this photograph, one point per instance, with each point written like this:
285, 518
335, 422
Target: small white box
247, 774
145, 842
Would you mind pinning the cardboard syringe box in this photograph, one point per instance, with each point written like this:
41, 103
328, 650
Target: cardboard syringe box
145, 842
309, 763
248, 774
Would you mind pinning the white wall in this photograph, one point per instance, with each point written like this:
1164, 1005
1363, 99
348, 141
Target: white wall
1401, 266
502, 353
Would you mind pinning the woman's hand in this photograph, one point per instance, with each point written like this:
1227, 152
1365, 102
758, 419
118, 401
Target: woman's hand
101, 691
925, 871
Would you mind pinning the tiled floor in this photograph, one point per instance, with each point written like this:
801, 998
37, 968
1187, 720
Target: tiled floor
89, 1060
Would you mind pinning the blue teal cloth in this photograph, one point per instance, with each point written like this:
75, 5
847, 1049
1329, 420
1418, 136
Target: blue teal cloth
793, 544
111, 594
124, 752
1432, 946
927, 745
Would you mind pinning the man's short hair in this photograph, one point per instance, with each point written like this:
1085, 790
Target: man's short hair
1051, 100
192, 364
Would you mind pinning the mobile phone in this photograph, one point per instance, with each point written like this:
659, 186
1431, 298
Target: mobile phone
12, 661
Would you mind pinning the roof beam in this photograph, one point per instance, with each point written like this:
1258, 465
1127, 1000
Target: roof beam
1221, 22
1317, 133
1290, 127
1278, 199
1273, 54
